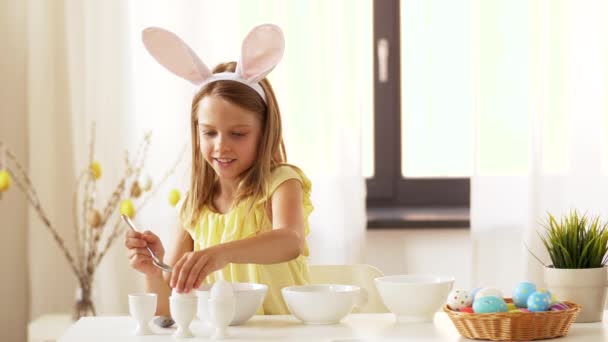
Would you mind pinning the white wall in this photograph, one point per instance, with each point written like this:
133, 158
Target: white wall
14, 288
475, 260
435, 251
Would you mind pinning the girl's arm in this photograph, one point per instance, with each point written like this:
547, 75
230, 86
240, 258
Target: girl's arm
159, 283
287, 239
285, 242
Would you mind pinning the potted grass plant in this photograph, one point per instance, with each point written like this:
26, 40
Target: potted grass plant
578, 248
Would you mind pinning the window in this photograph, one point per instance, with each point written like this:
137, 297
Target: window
422, 134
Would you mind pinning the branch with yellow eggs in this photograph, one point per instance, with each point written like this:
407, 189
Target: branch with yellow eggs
96, 223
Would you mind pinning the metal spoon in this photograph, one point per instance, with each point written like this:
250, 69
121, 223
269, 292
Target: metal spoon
164, 322
156, 261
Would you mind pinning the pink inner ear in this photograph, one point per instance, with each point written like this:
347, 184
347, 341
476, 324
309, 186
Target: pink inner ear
175, 55
262, 50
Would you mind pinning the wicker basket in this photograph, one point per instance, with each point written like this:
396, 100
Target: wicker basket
517, 326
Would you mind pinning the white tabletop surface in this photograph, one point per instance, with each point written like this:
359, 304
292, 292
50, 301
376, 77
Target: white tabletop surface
355, 327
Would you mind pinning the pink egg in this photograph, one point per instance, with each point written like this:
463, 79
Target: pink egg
559, 306
524, 310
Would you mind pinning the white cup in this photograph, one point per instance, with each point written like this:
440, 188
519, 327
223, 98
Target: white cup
142, 307
221, 313
183, 310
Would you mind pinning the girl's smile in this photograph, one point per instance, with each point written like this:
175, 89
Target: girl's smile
224, 162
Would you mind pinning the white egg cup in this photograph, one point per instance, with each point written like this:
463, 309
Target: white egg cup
249, 297
142, 307
183, 310
221, 313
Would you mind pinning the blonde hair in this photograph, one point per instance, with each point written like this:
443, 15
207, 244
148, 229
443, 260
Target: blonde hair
255, 181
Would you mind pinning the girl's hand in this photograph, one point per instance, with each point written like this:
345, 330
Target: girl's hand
193, 267
139, 257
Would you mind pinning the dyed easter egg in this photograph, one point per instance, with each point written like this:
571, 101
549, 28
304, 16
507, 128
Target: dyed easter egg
524, 310
539, 301
559, 306
542, 290
458, 299
521, 293
488, 291
551, 295
511, 306
467, 309
489, 304
474, 292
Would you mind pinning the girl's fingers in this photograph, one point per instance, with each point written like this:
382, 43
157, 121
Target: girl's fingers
137, 251
150, 237
176, 271
194, 274
132, 234
184, 273
135, 242
207, 269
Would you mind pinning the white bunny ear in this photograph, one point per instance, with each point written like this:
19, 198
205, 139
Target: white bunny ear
175, 55
261, 51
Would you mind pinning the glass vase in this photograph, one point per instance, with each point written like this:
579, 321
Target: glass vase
84, 302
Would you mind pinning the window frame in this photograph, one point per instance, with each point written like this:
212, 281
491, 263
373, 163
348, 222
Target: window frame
387, 189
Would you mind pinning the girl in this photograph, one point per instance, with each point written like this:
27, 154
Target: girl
245, 218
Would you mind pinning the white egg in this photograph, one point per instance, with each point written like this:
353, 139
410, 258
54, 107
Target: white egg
175, 294
458, 299
488, 291
221, 289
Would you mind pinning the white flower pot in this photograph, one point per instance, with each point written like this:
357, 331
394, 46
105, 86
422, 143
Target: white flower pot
586, 287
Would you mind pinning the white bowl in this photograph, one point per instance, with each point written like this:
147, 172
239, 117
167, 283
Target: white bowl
249, 297
414, 298
322, 304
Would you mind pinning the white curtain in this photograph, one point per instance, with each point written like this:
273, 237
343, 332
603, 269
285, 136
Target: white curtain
86, 63
78, 73
541, 128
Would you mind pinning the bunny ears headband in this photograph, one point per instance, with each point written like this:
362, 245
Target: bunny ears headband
261, 51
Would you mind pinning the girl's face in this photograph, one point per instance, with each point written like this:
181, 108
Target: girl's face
229, 136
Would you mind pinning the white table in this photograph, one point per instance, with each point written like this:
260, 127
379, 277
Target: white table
48, 327
355, 327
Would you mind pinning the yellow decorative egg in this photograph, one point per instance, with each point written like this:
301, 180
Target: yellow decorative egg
174, 197
5, 180
511, 306
95, 170
126, 208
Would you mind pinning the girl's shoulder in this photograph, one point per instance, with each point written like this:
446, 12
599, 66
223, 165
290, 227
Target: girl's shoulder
285, 172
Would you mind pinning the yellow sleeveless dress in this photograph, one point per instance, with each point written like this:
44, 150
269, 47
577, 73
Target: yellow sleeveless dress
239, 223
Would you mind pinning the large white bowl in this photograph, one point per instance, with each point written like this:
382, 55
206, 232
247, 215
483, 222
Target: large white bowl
249, 297
323, 303
414, 298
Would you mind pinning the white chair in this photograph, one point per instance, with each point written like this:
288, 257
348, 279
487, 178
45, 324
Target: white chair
361, 275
